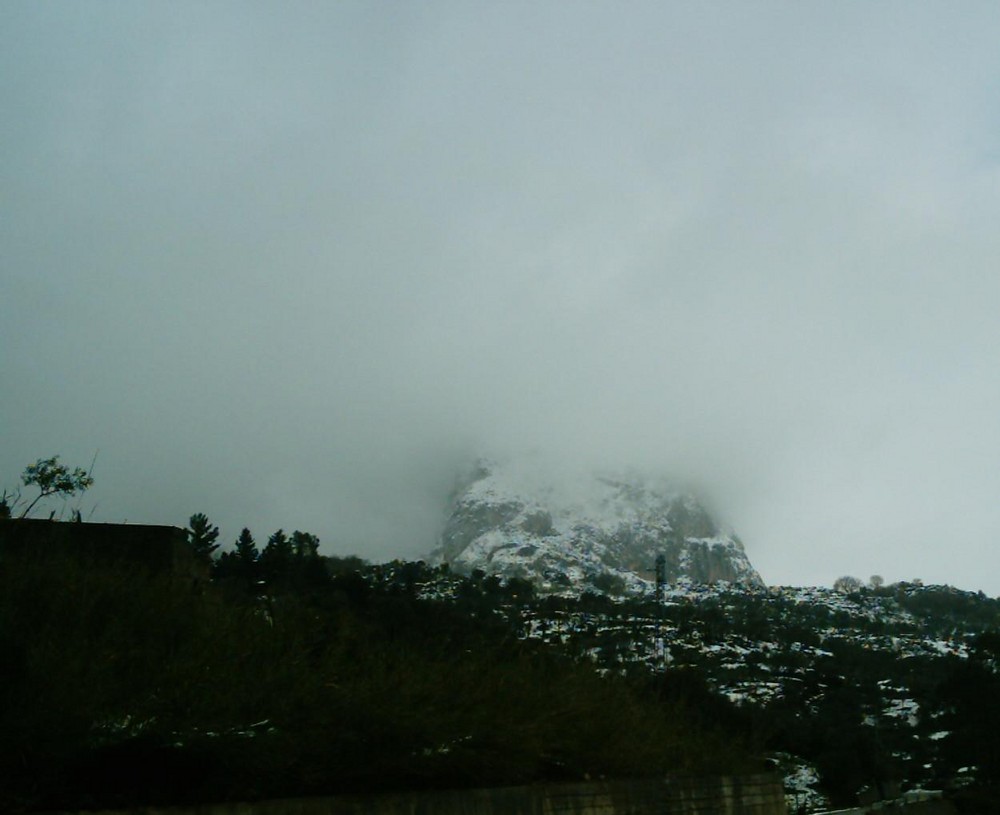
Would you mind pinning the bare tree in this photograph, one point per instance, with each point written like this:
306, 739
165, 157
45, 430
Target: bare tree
847, 584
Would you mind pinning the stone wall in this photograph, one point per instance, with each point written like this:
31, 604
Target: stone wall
745, 795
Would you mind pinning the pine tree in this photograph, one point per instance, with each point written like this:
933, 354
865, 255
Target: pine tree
242, 563
276, 559
202, 537
246, 550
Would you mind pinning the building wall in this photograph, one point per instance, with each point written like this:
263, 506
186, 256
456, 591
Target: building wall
158, 548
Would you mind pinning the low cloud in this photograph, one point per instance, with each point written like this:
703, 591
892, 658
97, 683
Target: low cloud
296, 267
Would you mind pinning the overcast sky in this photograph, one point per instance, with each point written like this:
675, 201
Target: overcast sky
293, 264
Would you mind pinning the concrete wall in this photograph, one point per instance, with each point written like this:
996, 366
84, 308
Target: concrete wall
746, 795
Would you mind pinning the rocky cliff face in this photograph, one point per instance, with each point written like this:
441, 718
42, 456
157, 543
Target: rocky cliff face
594, 532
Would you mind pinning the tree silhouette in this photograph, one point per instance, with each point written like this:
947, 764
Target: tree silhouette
246, 549
847, 584
202, 537
243, 563
276, 558
304, 545
49, 477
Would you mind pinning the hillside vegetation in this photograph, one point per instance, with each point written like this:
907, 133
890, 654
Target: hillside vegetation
284, 673
122, 686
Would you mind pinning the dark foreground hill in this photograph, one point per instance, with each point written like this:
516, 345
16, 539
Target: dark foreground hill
121, 686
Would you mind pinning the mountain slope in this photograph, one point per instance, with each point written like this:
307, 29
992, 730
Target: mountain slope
587, 532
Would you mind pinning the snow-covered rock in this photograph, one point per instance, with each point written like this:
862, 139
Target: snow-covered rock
602, 532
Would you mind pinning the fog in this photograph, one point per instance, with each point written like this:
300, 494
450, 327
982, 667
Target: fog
295, 264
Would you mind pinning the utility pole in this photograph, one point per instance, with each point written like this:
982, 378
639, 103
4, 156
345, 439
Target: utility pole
661, 577
661, 596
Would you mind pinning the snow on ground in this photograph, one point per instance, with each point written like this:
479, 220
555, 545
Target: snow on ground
801, 781
905, 709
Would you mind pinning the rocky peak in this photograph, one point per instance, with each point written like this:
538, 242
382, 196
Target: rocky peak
583, 532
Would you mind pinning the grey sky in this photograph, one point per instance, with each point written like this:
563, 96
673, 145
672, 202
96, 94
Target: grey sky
291, 264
